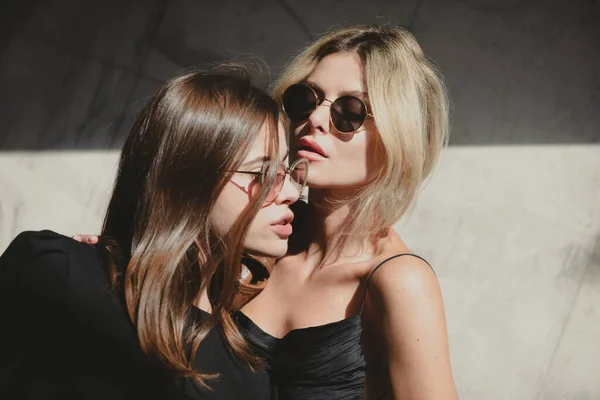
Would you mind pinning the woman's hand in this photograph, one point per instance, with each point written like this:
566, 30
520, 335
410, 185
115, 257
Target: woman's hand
89, 239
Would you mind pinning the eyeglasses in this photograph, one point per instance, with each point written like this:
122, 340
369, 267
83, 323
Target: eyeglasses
298, 172
348, 113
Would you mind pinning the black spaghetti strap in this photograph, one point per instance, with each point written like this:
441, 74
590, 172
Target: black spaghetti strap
362, 303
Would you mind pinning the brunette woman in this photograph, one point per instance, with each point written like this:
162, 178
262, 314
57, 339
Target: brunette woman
203, 178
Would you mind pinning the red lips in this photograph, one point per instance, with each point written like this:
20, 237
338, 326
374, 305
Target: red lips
307, 144
283, 227
284, 220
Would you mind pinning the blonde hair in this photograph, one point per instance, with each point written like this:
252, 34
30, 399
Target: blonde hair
409, 104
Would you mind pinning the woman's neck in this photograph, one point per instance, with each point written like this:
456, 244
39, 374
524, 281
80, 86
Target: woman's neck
329, 214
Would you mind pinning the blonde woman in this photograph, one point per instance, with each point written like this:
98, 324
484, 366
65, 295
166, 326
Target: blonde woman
350, 312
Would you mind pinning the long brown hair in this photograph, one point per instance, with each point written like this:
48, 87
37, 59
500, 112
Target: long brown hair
157, 231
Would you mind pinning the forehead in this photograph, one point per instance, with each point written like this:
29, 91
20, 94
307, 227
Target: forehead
259, 152
338, 72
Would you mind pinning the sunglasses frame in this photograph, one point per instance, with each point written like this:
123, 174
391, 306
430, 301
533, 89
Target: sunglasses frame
288, 172
319, 102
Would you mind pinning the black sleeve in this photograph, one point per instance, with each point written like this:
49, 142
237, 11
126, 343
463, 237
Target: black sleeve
34, 267
33, 280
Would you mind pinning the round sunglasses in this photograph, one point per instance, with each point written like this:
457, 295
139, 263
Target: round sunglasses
298, 172
348, 113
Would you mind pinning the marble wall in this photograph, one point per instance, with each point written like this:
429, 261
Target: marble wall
510, 220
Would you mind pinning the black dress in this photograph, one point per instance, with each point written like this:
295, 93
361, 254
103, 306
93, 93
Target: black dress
319, 363
66, 335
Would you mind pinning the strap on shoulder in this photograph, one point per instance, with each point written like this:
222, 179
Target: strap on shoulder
362, 303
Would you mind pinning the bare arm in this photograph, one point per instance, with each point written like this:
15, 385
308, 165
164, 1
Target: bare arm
407, 309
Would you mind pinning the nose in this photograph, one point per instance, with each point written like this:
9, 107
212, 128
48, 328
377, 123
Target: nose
319, 119
289, 192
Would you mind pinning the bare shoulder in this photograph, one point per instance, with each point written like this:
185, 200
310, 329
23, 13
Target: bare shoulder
404, 276
406, 312
400, 275
407, 329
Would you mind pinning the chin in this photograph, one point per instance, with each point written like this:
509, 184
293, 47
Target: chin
336, 181
317, 182
272, 248
324, 180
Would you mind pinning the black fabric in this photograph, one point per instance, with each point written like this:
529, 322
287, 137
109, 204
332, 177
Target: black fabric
66, 335
318, 363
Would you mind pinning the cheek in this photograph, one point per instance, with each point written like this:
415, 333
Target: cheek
351, 156
261, 240
351, 163
256, 230
227, 209
363, 155
375, 154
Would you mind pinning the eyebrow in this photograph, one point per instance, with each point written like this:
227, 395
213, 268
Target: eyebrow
256, 160
357, 93
262, 160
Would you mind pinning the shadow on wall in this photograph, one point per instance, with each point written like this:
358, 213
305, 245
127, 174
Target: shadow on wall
74, 73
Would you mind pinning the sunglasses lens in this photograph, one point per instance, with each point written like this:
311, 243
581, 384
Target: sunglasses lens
348, 113
299, 101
